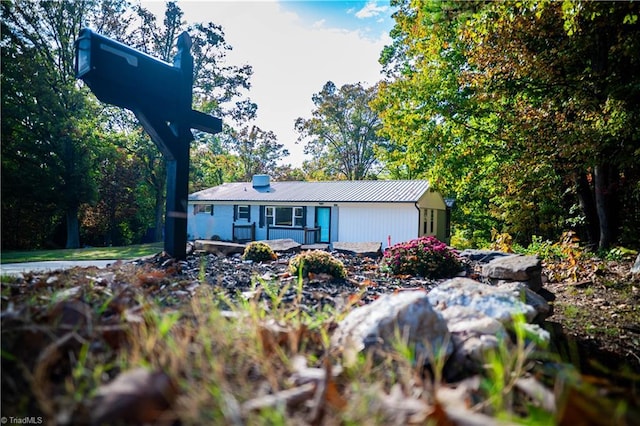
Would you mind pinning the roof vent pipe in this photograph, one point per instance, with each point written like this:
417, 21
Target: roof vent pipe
260, 181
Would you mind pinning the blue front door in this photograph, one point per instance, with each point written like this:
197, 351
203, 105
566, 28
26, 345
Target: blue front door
323, 221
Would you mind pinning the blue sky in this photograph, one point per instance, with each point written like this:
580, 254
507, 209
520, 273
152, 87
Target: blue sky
295, 47
370, 17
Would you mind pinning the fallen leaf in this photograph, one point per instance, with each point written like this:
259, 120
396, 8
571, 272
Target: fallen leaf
135, 396
273, 333
537, 392
151, 277
320, 278
404, 408
289, 397
367, 283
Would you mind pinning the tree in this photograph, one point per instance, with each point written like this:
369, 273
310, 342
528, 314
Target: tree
112, 219
571, 74
258, 150
541, 95
49, 131
435, 127
343, 130
212, 165
216, 87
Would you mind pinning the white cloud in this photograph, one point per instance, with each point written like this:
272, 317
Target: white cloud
320, 23
291, 60
370, 10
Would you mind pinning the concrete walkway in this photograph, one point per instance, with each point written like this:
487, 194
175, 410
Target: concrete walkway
18, 268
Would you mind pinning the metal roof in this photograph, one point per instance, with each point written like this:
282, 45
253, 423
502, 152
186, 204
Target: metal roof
360, 191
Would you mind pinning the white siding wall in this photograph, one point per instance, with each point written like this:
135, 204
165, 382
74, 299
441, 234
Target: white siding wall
375, 222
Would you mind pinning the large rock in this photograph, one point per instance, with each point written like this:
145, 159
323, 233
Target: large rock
378, 325
635, 269
219, 248
521, 268
366, 249
497, 302
473, 335
283, 245
478, 316
483, 256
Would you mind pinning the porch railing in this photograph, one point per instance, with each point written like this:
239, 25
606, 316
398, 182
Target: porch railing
299, 235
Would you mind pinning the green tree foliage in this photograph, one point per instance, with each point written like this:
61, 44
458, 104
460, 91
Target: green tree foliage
216, 89
49, 134
58, 141
258, 151
342, 133
524, 109
115, 218
212, 165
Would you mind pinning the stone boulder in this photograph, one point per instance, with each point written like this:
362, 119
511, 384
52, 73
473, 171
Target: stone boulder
378, 325
478, 316
635, 269
527, 269
283, 245
462, 318
370, 249
498, 302
219, 248
473, 335
483, 256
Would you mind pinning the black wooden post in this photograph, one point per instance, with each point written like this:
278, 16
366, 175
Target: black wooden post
160, 95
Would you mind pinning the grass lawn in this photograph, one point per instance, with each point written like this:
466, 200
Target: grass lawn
91, 253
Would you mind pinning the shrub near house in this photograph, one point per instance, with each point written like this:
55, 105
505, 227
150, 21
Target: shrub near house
259, 251
317, 262
424, 256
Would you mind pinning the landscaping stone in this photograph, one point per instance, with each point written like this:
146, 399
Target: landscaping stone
283, 245
483, 256
219, 248
317, 246
500, 303
473, 335
515, 268
376, 326
635, 269
367, 249
478, 316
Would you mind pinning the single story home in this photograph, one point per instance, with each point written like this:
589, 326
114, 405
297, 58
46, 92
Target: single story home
386, 211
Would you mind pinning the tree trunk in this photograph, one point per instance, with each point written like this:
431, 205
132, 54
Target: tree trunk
159, 207
601, 191
73, 228
587, 205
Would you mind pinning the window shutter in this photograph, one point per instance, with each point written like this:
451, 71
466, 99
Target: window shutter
249, 213
235, 212
261, 224
304, 216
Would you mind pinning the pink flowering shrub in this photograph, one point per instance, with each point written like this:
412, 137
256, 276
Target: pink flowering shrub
425, 256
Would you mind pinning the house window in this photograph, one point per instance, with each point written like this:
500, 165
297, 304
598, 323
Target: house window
284, 216
203, 208
243, 212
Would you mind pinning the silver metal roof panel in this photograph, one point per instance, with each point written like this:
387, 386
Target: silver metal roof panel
363, 191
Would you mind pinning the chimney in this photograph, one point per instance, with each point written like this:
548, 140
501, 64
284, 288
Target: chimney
260, 181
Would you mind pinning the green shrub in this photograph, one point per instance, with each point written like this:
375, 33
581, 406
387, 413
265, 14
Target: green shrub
425, 256
317, 262
545, 249
259, 252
